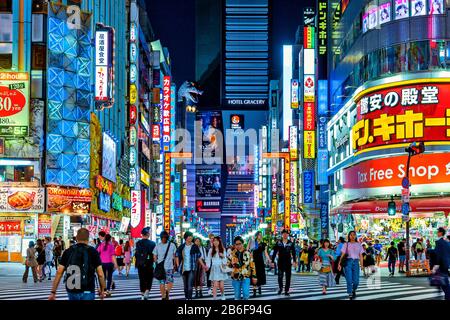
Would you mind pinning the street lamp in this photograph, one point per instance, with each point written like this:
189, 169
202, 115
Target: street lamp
413, 149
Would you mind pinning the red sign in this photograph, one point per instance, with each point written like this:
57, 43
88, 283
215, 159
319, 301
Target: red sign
12, 101
309, 118
380, 207
104, 185
10, 227
68, 200
156, 131
133, 115
166, 113
402, 115
44, 225
388, 172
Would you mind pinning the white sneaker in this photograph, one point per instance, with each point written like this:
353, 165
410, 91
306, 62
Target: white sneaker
224, 297
146, 295
210, 292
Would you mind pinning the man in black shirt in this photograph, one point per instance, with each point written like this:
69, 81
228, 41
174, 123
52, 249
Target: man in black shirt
144, 262
80, 262
391, 257
286, 253
401, 256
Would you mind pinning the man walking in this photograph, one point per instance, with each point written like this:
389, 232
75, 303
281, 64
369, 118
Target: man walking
442, 256
144, 262
80, 262
401, 247
165, 251
286, 253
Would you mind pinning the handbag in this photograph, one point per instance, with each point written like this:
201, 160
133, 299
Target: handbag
160, 271
344, 257
317, 265
225, 269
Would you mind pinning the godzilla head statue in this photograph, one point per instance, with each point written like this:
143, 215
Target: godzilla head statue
189, 91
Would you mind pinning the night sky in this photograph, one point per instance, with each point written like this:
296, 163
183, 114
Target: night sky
173, 22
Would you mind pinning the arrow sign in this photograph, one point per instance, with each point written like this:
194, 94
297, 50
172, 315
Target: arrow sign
405, 183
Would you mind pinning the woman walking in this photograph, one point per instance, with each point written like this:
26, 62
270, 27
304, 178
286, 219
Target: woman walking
351, 261
243, 269
40, 259
369, 259
30, 262
326, 277
259, 251
218, 261
108, 258
119, 256
127, 258
199, 279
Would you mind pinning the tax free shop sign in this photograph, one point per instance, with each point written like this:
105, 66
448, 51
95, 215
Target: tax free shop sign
428, 173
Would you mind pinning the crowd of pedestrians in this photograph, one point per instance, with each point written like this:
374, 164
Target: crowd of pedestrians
86, 265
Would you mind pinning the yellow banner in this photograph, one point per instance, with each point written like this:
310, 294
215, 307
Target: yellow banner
309, 144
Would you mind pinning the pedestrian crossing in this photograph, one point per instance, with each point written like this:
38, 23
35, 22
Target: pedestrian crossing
303, 287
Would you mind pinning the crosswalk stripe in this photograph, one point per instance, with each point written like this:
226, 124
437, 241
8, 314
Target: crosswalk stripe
437, 295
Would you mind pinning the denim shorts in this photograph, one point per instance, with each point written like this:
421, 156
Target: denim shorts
169, 277
402, 258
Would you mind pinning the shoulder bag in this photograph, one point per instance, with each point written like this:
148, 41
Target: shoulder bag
160, 272
344, 257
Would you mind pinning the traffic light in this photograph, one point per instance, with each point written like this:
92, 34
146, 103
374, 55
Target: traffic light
391, 208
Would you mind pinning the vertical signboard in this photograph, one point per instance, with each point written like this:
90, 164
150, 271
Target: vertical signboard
309, 37
133, 94
308, 187
287, 193
136, 218
293, 142
324, 220
309, 144
167, 192
309, 15
104, 67
294, 94
322, 31
166, 113
322, 166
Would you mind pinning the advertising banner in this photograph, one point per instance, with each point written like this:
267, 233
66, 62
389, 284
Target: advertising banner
322, 133
104, 202
436, 6
124, 224
322, 97
401, 9
385, 12
166, 113
308, 186
294, 93
10, 227
402, 115
136, 218
64, 200
14, 199
309, 144
309, 37
293, 142
309, 116
237, 121
14, 104
208, 182
424, 169
324, 220
418, 7
44, 225
212, 128
309, 89
109, 158
322, 167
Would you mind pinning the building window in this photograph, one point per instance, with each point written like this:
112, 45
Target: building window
6, 38
37, 28
419, 56
6, 6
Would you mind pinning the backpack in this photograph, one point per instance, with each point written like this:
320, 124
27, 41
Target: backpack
77, 269
142, 255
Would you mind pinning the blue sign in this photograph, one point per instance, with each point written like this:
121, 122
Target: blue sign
323, 194
405, 209
322, 135
322, 167
104, 202
308, 186
405, 183
324, 221
322, 93
126, 203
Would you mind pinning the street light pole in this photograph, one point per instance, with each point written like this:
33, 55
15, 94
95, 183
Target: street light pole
407, 222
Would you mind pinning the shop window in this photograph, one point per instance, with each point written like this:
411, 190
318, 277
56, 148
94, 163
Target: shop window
373, 64
16, 173
37, 28
438, 55
6, 29
5, 60
400, 58
418, 56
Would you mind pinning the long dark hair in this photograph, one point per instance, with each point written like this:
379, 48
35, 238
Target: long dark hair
353, 231
107, 242
39, 244
127, 246
221, 248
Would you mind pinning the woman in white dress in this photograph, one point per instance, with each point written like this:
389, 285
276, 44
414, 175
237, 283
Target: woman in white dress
217, 261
